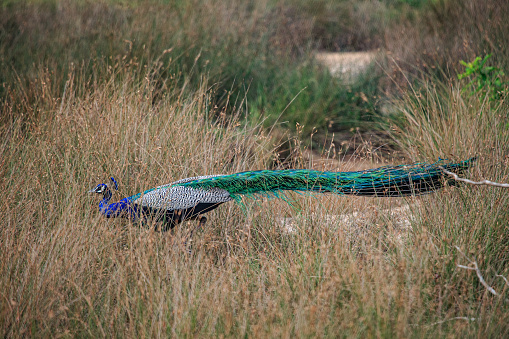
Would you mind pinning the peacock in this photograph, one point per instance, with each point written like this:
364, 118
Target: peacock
190, 198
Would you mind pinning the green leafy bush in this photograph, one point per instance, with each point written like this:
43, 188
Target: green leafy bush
484, 80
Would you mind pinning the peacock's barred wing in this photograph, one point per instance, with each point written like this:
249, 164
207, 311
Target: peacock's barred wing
402, 180
175, 196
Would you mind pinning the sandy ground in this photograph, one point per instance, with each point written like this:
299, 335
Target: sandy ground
349, 65
346, 64
396, 220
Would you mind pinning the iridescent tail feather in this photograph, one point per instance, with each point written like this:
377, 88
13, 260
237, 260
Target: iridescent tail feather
388, 181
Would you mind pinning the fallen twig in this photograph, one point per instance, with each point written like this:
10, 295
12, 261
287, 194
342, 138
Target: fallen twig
455, 318
505, 279
473, 267
446, 320
482, 182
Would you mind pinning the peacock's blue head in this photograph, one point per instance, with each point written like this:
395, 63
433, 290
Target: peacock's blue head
104, 189
101, 188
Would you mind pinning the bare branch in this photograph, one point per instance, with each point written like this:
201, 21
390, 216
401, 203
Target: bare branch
477, 271
455, 318
483, 182
505, 279
481, 279
446, 320
463, 254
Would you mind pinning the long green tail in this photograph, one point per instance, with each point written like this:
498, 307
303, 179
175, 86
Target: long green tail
388, 181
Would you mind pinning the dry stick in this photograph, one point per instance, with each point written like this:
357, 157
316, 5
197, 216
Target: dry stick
477, 271
475, 268
455, 318
473, 263
505, 279
483, 182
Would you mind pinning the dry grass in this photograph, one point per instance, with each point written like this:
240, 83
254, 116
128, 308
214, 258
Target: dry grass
66, 271
350, 267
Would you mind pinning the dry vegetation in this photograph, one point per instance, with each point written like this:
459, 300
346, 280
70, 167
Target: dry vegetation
325, 265
67, 271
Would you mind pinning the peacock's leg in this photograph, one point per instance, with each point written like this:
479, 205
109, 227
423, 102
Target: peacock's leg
202, 222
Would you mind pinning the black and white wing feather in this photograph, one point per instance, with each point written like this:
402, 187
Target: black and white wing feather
172, 197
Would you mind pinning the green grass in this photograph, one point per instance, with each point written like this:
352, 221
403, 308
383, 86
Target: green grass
245, 50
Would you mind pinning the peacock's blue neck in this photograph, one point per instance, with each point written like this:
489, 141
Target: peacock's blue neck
116, 209
103, 205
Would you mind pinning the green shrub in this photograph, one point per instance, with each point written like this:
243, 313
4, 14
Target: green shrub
484, 80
